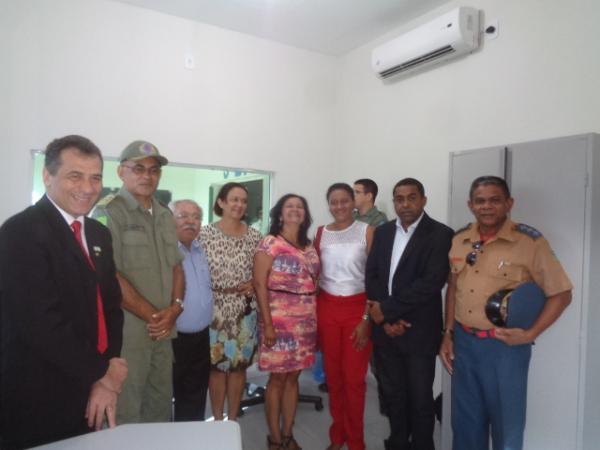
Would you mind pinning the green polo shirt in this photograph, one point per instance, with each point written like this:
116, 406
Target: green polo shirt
373, 217
145, 250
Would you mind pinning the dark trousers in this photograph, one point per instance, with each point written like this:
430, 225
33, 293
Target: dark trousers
191, 369
406, 382
40, 436
489, 389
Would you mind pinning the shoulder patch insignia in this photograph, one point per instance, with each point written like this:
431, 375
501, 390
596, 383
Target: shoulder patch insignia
528, 230
99, 212
103, 220
460, 230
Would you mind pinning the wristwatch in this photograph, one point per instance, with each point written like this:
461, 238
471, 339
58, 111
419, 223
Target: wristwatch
179, 302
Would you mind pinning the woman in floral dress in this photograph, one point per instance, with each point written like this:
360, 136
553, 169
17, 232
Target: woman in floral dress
286, 268
229, 245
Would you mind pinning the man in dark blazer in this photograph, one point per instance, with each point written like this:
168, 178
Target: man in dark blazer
61, 321
406, 271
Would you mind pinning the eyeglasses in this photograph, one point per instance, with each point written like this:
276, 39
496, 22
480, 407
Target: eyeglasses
472, 257
138, 169
183, 216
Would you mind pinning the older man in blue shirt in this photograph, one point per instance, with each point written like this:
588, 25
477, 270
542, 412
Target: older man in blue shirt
191, 347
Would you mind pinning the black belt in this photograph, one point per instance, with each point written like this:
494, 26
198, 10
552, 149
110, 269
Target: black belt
196, 333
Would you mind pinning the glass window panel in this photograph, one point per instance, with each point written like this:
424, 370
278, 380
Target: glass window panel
183, 181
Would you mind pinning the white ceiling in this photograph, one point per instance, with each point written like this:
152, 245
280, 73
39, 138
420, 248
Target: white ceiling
332, 27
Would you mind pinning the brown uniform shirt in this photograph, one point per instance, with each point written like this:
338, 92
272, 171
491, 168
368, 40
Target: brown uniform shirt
517, 254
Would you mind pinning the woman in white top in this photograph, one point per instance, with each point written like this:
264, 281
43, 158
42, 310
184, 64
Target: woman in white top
343, 325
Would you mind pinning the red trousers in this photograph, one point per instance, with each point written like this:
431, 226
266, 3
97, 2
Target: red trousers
345, 367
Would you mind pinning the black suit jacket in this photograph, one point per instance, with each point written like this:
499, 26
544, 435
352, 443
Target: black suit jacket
416, 286
48, 317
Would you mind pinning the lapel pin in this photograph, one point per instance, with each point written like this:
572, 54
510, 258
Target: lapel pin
97, 250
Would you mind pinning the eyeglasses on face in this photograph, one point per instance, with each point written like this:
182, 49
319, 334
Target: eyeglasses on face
138, 169
472, 257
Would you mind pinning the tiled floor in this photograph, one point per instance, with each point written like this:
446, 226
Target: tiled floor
311, 429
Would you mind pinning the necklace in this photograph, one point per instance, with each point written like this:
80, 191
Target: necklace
290, 242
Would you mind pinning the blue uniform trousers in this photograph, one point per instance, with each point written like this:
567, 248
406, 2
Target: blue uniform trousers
489, 388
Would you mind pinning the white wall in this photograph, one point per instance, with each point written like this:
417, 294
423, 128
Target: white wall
540, 78
115, 73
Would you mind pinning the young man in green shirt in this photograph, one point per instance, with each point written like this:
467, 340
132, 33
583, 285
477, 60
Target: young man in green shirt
365, 192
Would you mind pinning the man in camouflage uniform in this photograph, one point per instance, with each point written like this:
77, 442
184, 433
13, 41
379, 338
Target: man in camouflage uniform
151, 277
489, 366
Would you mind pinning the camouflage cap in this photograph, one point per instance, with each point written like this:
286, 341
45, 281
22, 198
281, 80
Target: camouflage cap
138, 150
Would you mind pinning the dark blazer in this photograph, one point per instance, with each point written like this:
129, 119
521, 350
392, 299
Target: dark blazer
48, 322
416, 287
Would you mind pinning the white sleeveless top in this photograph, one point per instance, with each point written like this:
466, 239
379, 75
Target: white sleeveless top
343, 259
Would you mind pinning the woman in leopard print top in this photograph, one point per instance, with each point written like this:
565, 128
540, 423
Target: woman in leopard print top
229, 245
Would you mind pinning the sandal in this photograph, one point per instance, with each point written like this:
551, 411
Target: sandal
272, 445
289, 443
334, 447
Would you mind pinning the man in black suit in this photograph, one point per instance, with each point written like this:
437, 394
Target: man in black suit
60, 307
406, 271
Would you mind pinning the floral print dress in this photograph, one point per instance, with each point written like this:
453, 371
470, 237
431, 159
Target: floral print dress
233, 329
292, 286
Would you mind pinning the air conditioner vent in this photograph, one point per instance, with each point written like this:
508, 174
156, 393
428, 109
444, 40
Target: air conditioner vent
417, 61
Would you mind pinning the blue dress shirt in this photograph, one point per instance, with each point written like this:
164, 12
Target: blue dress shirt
198, 300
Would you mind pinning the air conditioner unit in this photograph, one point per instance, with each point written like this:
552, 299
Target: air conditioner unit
450, 35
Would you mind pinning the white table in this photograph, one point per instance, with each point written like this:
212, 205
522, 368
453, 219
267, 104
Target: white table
158, 436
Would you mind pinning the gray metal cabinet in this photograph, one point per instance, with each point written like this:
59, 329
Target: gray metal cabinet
556, 187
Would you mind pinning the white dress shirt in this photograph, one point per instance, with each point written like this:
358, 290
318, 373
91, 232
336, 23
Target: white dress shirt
400, 241
70, 219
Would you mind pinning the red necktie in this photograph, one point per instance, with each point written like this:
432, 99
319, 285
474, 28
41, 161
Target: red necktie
102, 335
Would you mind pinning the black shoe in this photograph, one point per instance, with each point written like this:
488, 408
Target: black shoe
389, 446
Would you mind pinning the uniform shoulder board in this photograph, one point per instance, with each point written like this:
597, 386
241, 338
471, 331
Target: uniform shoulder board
99, 212
528, 230
460, 230
163, 204
104, 201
